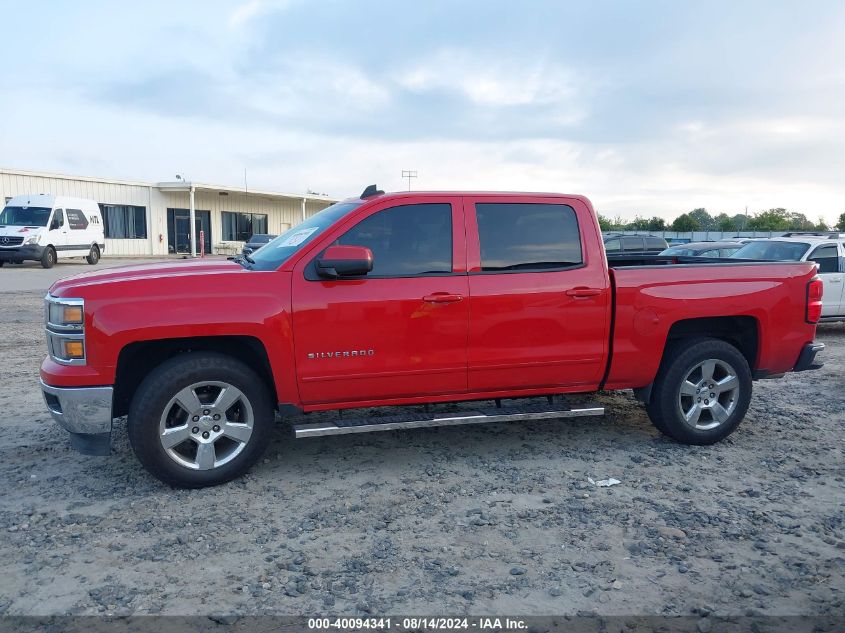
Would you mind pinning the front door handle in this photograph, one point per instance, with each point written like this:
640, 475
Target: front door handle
442, 297
583, 293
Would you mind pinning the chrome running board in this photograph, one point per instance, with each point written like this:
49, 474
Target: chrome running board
343, 426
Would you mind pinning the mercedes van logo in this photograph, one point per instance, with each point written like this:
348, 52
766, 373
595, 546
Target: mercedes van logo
4, 239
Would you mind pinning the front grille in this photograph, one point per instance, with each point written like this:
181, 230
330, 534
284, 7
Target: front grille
10, 240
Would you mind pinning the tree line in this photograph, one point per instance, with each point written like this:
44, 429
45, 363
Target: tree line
701, 220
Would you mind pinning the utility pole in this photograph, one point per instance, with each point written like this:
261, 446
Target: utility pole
409, 173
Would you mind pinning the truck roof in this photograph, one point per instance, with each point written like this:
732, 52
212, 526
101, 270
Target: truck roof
486, 194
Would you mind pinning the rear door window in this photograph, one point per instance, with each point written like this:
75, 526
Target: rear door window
613, 245
528, 236
632, 244
655, 243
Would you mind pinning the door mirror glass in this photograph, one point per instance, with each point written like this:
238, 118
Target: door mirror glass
344, 261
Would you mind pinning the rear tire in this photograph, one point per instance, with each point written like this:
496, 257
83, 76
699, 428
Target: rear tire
702, 391
48, 258
200, 419
94, 256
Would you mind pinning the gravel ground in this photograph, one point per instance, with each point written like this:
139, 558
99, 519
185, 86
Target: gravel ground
486, 519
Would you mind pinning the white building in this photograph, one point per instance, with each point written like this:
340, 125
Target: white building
143, 219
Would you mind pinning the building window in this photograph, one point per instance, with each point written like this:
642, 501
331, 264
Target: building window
124, 222
239, 227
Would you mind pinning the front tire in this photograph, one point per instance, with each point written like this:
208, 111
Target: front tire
94, 256
200, 419
48, 257
702, 391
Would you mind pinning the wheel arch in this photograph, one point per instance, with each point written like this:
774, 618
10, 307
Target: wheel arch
137, 360
743, 332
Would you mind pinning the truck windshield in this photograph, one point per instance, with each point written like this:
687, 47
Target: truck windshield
772, 250
272, 256
24, 216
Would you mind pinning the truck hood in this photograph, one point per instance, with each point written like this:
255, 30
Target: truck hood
181, 268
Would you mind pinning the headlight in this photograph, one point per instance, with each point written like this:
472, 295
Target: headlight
65, 330
32, 240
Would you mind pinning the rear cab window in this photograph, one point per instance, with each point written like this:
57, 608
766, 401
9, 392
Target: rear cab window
527, 236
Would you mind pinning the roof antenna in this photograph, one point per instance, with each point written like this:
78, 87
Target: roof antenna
371, 191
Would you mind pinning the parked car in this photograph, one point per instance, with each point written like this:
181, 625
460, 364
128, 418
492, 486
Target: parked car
703, 249
412, 299
257, 241
47, 228
827, 252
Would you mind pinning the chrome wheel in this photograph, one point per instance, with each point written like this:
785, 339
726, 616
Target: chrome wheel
206, 425
708, 394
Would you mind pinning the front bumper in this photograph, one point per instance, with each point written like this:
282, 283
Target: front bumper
85, 412
21, 253
807, 357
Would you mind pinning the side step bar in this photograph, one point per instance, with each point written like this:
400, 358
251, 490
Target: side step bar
343, 426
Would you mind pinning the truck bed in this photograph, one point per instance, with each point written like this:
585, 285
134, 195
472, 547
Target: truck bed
760, 304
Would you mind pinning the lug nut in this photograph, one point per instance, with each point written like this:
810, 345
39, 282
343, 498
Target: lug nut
216, 428
196, 429
699, 399
712, 395
205, 435
205, 412
705, 402
196, 418
216, 416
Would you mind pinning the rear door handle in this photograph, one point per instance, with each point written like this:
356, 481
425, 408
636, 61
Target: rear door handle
442, 297
583, 293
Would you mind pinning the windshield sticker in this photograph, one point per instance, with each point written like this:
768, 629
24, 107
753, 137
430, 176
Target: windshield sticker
297, 238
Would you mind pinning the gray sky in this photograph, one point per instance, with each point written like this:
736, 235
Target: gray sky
652, 107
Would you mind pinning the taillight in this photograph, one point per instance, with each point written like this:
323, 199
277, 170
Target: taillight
814, 300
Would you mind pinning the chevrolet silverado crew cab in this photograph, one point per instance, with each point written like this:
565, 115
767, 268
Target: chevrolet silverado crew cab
413, 299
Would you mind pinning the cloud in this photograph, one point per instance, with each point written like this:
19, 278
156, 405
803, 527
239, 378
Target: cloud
247, 11
652, 108
489, 82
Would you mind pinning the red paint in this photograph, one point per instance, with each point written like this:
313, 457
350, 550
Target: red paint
465, 335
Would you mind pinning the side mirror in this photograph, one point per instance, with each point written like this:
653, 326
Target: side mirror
344, 261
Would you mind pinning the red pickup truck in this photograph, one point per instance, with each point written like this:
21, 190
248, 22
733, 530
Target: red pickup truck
413, 299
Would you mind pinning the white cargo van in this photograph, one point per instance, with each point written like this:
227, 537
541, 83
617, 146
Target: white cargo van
46, 228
